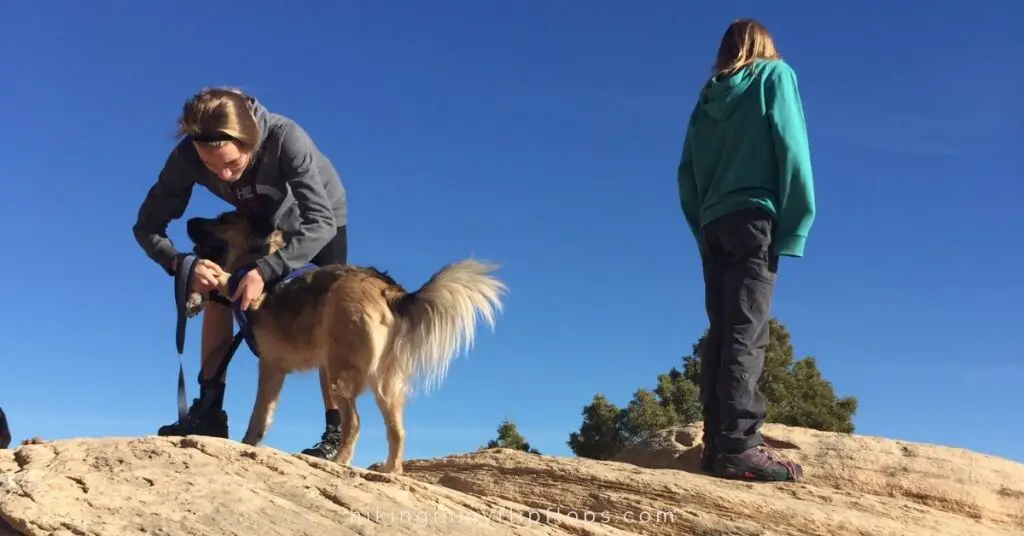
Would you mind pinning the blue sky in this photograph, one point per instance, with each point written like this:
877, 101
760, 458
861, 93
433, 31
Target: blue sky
545, 136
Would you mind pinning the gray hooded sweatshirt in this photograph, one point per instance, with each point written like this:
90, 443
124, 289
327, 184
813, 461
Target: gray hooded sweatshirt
290, 184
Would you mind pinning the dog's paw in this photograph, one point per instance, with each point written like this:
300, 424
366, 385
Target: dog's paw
195, 303
386, 468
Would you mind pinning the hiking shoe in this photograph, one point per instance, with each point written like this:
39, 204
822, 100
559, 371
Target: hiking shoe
213, 422
327, 447
761, 463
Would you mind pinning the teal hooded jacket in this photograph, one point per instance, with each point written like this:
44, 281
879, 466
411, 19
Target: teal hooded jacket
746, 146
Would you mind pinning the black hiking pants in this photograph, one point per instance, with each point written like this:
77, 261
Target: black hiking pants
739, 276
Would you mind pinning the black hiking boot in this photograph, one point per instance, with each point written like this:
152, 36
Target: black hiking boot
327, 447
213, 421
761, 463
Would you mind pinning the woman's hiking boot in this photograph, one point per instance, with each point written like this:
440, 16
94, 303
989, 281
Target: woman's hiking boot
327, 447
761, 463
211, 421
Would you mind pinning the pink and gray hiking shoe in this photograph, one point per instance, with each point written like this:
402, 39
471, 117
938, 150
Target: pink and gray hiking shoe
761, 463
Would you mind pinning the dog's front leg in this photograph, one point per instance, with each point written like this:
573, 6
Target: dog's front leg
257, 302
197, 300
271, 380
222, 285
222, 288
195, 303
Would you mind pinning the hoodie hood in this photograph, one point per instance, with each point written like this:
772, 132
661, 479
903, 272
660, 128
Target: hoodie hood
720, 96
262, 118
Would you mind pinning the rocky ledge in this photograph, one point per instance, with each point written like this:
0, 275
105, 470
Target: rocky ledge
855, 485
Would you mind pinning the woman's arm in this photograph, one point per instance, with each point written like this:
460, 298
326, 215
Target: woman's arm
796, 181
689, 199
165, 201
298, 163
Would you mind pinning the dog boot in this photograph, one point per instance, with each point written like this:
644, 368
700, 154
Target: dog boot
327, 447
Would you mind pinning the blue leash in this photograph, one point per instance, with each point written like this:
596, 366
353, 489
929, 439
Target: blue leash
183, 274
241, 316
186, 267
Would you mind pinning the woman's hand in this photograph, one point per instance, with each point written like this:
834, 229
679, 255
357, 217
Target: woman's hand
249, 288
206, 276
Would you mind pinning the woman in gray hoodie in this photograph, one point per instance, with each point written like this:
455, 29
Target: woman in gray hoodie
266, 165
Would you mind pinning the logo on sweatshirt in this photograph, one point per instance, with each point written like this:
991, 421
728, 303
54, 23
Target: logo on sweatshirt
244, 193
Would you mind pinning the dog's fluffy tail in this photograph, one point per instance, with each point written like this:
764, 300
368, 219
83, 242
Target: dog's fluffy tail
439, 319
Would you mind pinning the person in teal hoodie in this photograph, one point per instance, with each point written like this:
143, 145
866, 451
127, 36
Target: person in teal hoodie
747, 195
5, 431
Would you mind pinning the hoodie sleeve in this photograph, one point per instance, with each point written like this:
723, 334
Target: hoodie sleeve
687, 182
317, 227
165, 201
796, 208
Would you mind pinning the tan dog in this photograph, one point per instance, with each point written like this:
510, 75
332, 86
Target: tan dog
359, 322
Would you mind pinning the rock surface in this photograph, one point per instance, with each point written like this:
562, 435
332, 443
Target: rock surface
854, 485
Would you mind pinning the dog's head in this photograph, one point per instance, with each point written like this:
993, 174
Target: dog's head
232, 239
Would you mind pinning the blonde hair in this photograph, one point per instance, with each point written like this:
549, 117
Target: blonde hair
745, 41
219, 115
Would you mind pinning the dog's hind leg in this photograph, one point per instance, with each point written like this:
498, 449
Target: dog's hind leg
391, 401
271, 380
347, 386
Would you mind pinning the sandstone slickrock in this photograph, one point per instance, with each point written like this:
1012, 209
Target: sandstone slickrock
855, 485
209, 486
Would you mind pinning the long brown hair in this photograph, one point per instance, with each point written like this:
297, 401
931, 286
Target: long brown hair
745, 40
219, 115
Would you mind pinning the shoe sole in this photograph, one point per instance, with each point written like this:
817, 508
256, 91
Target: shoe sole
179, 433
746, 475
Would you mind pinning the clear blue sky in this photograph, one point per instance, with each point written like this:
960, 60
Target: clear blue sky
545, 136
